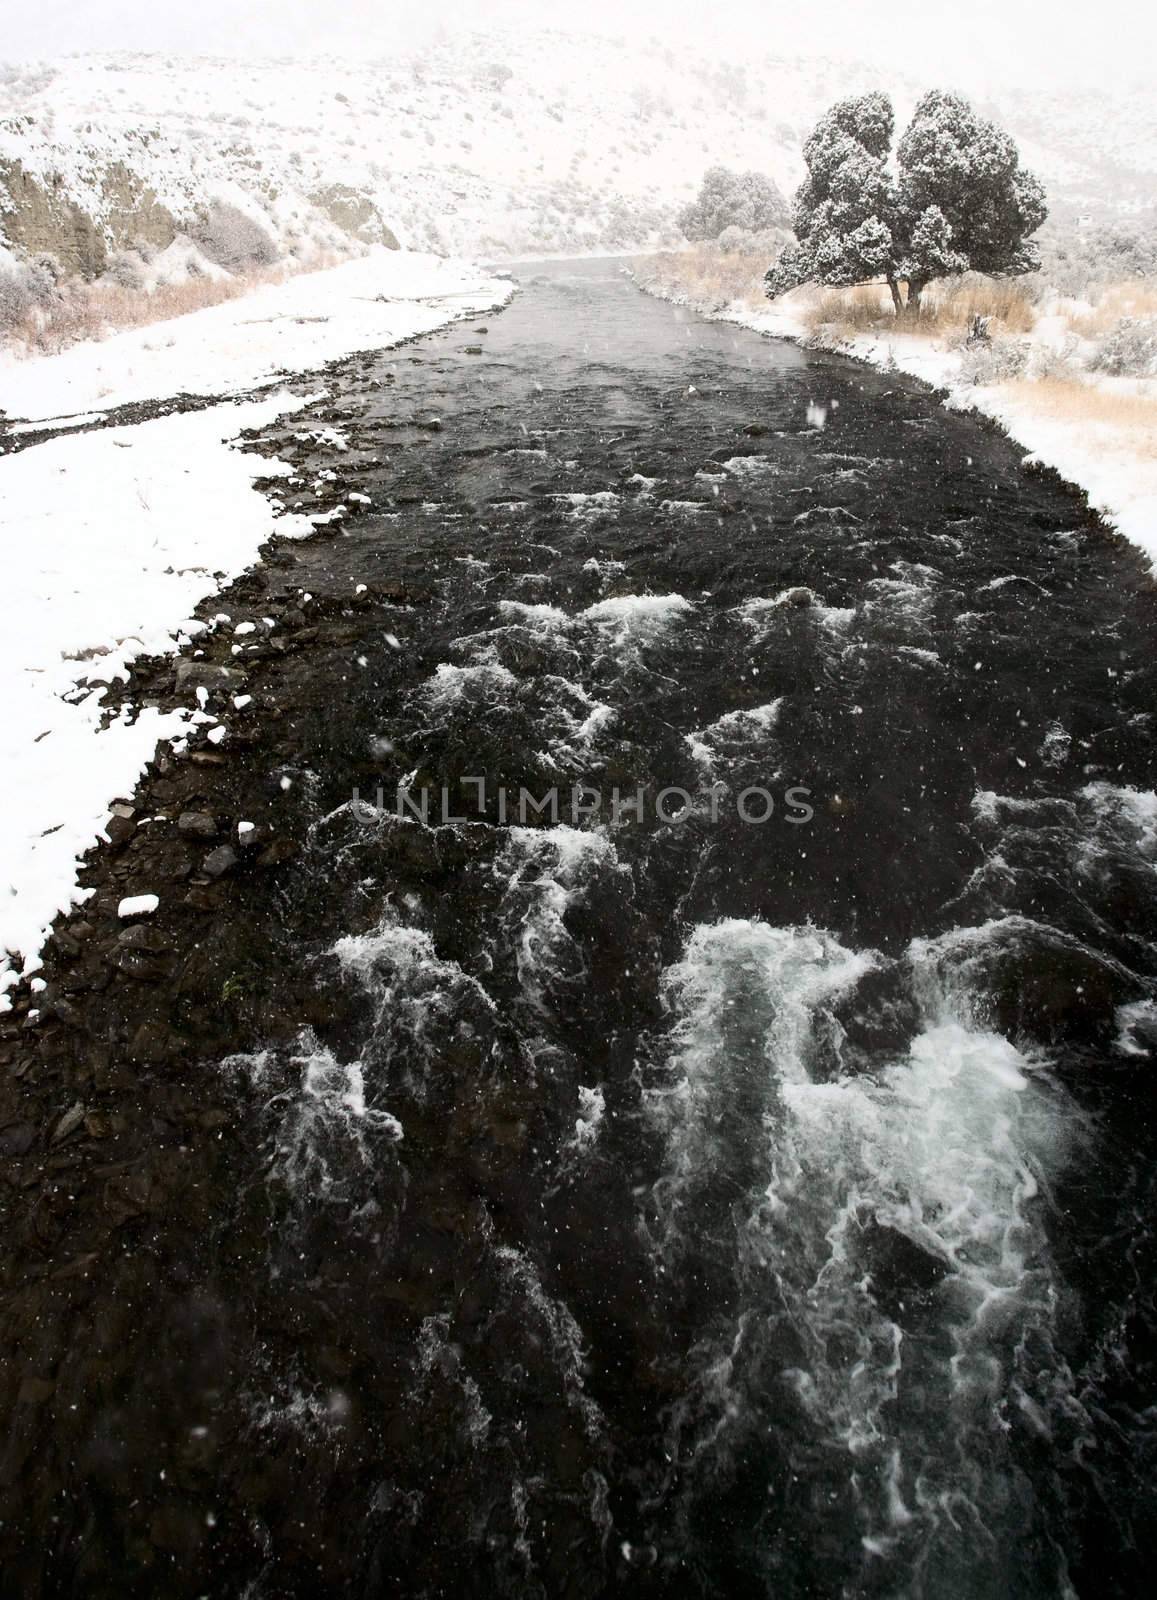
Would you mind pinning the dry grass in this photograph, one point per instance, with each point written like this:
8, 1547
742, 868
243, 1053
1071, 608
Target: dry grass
706, 277
948, 308
848, 311
1135, 297
80, 311
710, 279
1073, 400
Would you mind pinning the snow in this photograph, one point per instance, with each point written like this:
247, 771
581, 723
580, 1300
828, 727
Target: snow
590, 143
138, 905
111, 538
253, 341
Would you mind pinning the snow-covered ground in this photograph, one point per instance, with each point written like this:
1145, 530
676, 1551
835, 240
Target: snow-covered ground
111, 537
509, 141
247, 343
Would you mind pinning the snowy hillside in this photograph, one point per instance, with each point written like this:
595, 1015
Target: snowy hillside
503, 143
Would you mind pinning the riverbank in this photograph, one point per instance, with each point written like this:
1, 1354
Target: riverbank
125, 501
1037, 375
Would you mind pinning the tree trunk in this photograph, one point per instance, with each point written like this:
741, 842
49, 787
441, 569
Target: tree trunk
897, 303
916, 287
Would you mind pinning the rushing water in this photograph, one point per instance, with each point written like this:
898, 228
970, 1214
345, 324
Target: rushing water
695, 1206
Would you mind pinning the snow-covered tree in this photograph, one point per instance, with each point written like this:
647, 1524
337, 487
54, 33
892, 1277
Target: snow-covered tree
727, 199
958, 200
842, 211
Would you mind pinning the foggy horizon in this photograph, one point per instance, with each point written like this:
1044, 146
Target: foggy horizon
1005, 45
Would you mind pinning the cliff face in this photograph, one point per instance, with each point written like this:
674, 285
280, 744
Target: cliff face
356, 214
38, 214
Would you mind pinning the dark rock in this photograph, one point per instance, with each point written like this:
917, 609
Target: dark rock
58, 1006
152, 1041
274, 854
140, 936
119, 829
197, 825
207, 675
800, 597
69, 1122
205, 896
35, 1391
220, 861
17, 1139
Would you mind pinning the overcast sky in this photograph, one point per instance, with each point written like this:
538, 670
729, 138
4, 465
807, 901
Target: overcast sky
976, 42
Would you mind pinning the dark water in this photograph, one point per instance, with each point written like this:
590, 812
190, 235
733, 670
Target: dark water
701, 1207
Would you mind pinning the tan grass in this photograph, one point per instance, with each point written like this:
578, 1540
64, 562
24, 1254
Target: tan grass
951, 304
948, 307
706, 276
1072, 400
81, 311
1133, 297
849, 311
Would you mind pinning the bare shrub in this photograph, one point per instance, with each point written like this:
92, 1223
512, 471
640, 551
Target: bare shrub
998, 361
77, 310
1129, 350
124, 270
1082, 262
24, 288
953, 303
766, 242
863, 309
232, 239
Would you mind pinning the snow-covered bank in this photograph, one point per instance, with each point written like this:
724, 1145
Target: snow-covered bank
253, 341
111, 538
1113, 461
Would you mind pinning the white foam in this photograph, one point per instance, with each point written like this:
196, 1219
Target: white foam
544, 872
752, 467
322, 1124
450, 685
417, 995
538, 617
1139, 1017
747, 731
946, 1145
562, 1335
630, 621
1126, 816
764, 613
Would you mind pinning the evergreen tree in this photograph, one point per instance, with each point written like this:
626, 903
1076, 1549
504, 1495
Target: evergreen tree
958, 200
727, 199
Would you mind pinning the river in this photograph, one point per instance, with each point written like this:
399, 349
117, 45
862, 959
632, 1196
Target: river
715, 1160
